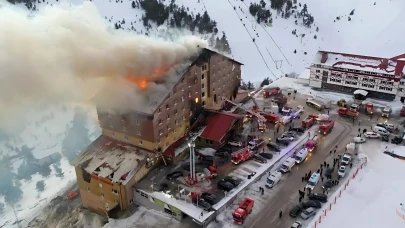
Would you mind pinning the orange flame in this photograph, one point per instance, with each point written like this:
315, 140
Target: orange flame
142, 83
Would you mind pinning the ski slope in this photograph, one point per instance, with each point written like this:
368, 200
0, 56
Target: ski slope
373, 198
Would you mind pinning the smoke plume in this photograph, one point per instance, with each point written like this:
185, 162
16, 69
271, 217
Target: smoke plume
69, 53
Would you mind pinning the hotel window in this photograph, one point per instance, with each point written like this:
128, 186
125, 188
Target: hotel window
175, 112
182, 98
202, 76
137, 122
175, 102
203, 94
167, 106
88, 189
160, 132
138, 132
202, 85
168, 117
318, 71
131, 201
124, 129
159, 111
160, 122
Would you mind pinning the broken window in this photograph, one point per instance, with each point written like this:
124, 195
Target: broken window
115, 191
86, 176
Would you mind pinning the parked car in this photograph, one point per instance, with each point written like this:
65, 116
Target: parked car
222, 154
225, 185
372, 134
298, 129
289, 137
163, 187
273, 147
307, 213
288, 134
311, 203
318, 196
174, 175
328, 185
387, 126
329, 171
359, 140
233, 180
342, 171
296, 210
267, 155
209, 198
259, 159
203, 205
283, 141
235, 143
296, 224
396, 140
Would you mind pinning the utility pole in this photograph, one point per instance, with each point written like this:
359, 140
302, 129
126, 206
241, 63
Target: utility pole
16, 217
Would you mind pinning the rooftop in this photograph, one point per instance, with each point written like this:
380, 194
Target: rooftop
218, 124
147, 100
111, 159
359, 62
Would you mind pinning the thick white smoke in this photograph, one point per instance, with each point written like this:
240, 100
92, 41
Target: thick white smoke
66, 53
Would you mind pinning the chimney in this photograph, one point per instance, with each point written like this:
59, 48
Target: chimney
384, 64
324, 57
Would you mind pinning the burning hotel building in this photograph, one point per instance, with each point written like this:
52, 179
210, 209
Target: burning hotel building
125, 152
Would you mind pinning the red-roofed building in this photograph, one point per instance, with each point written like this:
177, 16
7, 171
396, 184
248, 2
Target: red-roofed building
218, 127
380, 77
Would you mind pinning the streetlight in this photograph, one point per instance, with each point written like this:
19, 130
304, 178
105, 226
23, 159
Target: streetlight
191, 145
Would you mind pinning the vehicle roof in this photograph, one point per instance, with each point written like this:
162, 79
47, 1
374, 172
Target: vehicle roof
314, 176
347, 156
310, 209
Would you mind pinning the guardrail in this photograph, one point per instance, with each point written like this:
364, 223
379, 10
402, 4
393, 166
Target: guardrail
337, 196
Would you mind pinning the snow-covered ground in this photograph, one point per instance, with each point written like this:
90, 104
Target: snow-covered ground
374, 197
374, 29
45, 134
290, 84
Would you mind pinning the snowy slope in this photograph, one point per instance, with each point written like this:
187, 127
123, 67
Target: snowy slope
373, 30
373, 198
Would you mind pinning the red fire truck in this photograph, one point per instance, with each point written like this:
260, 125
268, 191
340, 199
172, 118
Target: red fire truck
326, 126
348, 113
271, 92
244, 209
309, 121
312, 143
369, 108
242, 155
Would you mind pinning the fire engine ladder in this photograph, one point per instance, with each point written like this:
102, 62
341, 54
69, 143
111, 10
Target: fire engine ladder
260, 117
240, 151
254, 101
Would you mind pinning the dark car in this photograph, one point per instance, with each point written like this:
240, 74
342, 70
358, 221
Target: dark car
221, 154
296, 210
203, 204
283, 141
209, 198
226, 149
273, 147
329, 171
327, 185
233, 180
318, 196
311, 203
174, 175
396, 140
298, 129
259, 159
163, 187
267, 155
225, 185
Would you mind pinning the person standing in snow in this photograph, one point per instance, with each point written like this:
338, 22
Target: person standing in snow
280, 214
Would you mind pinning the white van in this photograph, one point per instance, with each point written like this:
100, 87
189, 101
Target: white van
273, 179
381, 130
287, 165
301, 155
313, 181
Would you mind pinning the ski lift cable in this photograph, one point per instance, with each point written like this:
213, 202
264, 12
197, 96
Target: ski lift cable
270, 38
253, 42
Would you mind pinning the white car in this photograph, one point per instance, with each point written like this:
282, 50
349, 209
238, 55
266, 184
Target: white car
235, 143
372, 134
342, 171
359, 140
296, 225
